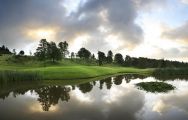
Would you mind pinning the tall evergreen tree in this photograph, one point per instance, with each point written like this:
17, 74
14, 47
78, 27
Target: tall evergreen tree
109, 57
53, 52
72, 55
41, 51
63, 48
101, 58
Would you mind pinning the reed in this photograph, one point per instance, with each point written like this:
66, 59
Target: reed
16, 76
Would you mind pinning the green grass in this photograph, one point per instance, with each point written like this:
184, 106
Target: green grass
155, 86
64, 70
77, 72
82, 72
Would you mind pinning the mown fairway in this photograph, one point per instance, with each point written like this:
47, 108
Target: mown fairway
80, 72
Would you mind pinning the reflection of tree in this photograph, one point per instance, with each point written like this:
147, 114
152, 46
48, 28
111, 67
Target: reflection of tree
19, 92
17, 88
107, 81
86, 87
50, 95
15, 93
128, 77
4, 95
118, 80
94, 83
73, 87
101, 84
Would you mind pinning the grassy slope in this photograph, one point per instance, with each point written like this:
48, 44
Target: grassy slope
80, 72
66, 69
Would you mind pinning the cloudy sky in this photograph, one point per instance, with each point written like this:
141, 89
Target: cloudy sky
147, 28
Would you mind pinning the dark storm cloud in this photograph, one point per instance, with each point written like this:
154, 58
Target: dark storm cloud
117, 16
120, 17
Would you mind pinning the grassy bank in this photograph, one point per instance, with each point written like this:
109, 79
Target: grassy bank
82, 72
70, 72
24, 68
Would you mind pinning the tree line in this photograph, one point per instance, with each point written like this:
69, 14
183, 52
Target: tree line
4, 50
56, 52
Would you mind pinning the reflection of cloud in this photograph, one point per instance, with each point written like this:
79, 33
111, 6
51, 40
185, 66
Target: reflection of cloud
172, 101
81, 97
124, 103
160, 106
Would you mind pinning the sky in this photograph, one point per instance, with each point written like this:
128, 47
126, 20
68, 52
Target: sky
140, 28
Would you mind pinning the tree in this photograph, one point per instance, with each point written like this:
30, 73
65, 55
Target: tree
21, 53
84, 53
128, 60
93, 57
53, 52
63, 48
109, 57
14, 51
4, 50
41, 51
118, 59
101, 58
72, 55
3, 47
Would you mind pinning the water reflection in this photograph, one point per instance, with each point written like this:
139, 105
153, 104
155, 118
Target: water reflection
51, 95
86, 87
108, 99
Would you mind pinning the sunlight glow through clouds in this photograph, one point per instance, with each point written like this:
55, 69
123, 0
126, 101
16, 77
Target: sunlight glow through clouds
113, 41
40, 33
79, 42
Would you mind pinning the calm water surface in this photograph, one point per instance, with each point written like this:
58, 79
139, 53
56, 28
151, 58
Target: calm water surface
115, 98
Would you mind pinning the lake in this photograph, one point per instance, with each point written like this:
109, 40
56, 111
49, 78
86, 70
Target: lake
114, 98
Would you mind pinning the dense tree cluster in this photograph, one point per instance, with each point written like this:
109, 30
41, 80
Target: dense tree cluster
142, 62
4, 50
101, 57
118, 58
49, 50
84, 53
